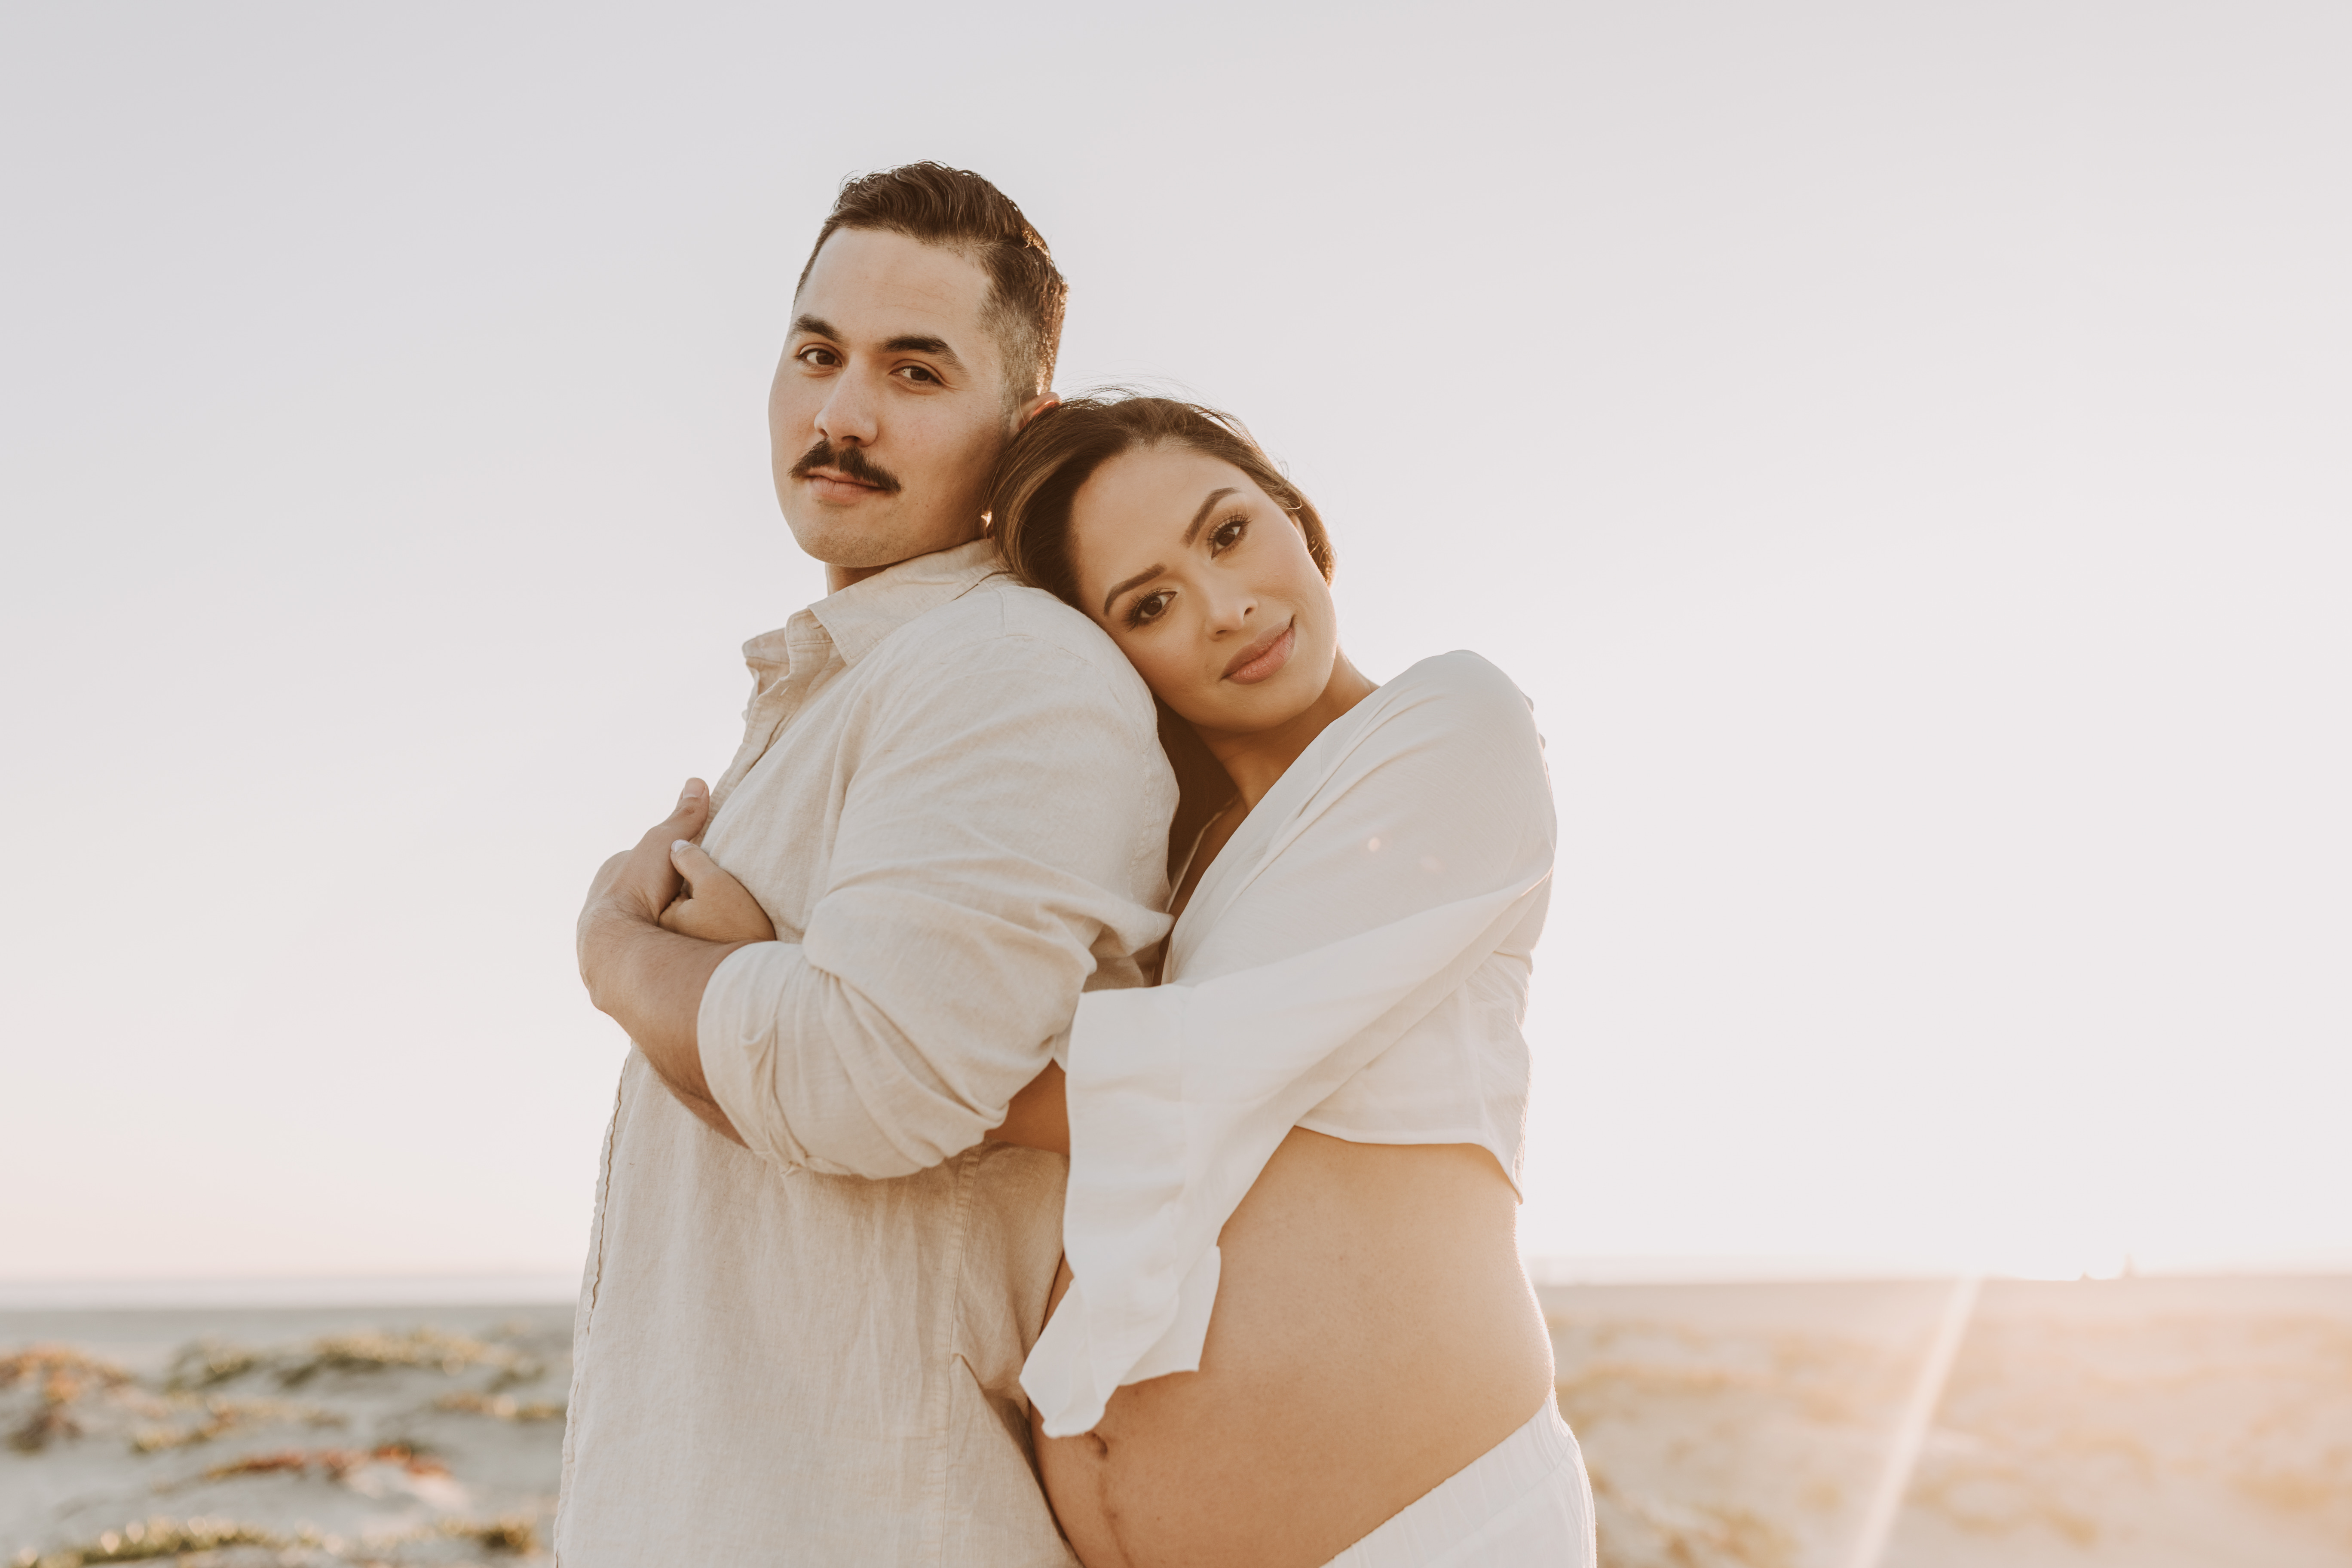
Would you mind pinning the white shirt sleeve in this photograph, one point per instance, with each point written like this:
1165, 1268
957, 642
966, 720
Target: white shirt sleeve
1002, 815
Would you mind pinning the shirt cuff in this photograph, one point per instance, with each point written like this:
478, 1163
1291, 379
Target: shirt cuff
735, 1034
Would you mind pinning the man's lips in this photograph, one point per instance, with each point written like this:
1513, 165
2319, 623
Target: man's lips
834, 485
1263, 657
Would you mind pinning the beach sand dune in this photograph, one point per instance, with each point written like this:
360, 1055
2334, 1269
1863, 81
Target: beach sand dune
2141, 1421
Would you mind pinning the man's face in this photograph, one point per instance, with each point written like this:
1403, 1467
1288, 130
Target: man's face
888, 408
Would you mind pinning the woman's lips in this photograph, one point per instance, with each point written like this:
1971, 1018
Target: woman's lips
1263, 658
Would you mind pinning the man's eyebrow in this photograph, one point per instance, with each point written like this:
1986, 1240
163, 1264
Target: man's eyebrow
914, 343
1201, 516
1137, 581
904, 343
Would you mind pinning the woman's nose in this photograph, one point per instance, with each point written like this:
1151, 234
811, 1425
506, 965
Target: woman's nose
1230, 610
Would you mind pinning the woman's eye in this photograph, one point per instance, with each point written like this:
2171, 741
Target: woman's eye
1150, 607
1228, 534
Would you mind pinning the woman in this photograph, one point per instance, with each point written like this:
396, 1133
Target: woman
1292, 1327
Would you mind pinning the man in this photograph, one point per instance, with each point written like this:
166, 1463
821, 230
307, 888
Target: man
811, 1282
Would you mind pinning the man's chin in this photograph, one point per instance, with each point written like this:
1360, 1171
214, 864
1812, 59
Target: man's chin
839, 539
847, 547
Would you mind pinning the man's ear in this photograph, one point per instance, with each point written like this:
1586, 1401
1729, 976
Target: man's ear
1034, 407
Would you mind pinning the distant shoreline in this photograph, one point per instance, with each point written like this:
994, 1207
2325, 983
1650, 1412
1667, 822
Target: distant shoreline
364, 1291
550, 1287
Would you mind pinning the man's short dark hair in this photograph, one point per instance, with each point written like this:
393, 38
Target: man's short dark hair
958, 209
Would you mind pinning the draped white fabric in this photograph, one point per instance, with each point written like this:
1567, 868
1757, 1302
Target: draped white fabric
1355, 960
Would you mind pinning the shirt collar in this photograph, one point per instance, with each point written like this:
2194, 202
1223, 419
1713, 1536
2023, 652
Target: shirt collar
860, 616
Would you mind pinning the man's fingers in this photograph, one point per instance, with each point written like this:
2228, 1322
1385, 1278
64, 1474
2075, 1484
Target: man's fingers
716, 908
693, 811
691, 861
686, 820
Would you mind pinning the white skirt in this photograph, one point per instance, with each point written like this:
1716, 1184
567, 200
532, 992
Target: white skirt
1524, 1503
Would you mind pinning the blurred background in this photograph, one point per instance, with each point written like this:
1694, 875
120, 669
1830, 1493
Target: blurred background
1902, 450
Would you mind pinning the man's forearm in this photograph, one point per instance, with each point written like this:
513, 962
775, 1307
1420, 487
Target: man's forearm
651, 984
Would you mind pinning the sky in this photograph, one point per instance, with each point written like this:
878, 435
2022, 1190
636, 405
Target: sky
1901, 451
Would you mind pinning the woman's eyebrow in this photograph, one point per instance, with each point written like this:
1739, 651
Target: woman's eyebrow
1149, 573
1201, 516
1140, 579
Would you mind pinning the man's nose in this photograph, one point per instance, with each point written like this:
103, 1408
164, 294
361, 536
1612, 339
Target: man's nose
850, 412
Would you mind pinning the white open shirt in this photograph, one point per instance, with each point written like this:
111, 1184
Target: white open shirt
1355, 962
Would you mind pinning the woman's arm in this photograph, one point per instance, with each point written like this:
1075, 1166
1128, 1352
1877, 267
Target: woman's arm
1039, 1116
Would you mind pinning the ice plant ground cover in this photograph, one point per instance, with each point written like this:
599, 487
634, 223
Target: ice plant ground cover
2141, 1421
224, 1436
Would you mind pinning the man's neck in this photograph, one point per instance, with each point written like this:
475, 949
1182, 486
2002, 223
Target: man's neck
838, 577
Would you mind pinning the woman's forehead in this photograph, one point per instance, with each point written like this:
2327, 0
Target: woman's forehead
1145, 489
1134, 510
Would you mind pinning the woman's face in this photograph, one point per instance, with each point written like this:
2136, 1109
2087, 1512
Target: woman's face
1206, 586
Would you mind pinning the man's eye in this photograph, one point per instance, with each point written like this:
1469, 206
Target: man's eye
816, 357
919, 374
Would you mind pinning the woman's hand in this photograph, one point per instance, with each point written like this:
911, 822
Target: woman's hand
714, 906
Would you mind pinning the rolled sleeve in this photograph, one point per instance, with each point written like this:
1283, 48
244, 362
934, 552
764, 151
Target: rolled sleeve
997, 849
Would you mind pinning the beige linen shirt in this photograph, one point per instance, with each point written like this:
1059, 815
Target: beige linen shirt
951, 801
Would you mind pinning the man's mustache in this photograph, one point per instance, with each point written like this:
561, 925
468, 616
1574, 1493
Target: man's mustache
849, 463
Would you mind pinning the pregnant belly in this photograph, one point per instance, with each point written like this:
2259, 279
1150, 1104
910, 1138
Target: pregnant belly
1374, 1332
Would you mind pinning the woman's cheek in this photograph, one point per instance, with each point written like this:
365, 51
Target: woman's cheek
1167, 676
1182, 687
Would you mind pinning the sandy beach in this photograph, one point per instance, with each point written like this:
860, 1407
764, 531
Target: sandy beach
2142, 1422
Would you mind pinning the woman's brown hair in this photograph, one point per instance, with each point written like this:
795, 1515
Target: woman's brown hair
1044, 466
1029, 508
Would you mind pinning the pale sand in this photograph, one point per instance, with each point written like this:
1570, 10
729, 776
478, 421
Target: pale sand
2142, 1422
2145, 1422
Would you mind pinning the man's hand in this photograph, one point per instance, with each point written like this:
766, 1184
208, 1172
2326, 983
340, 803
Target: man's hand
715, 907
648, 979
636, 886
